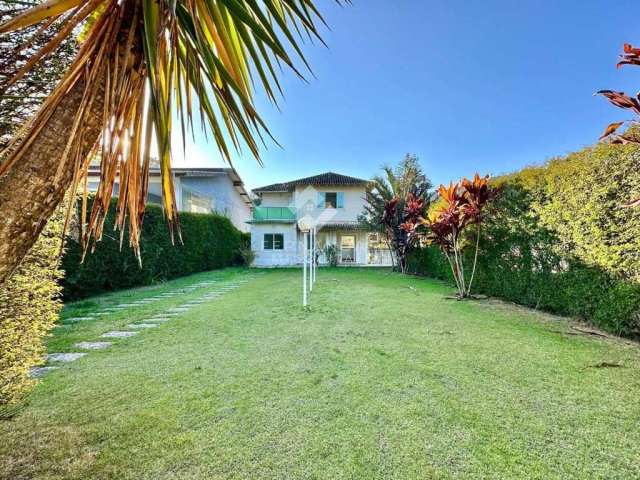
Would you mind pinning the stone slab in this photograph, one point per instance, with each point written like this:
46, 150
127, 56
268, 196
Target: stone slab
142, 325
93, 345
39, 372
64, 357
118, 334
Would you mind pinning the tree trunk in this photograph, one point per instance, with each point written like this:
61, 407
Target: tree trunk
28, 193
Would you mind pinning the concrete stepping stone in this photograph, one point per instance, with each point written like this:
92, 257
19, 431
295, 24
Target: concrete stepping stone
118, 334
142, 325
93, 345
64, 357
79, 319
160, 319
102, 314
178, 310
39, 372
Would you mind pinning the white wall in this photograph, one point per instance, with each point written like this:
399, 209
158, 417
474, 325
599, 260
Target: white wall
306, 200
280, 199
273, 258
225, 198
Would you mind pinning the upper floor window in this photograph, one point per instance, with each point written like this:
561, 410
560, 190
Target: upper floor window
331, 200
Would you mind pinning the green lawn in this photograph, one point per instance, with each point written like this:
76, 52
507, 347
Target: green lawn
381, 377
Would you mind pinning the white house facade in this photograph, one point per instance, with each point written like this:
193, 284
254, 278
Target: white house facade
330, 203
199, 190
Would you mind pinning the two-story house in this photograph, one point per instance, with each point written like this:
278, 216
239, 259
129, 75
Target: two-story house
331, 203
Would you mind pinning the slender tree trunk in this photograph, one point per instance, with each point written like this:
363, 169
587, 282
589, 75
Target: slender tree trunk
475, 260
28, 193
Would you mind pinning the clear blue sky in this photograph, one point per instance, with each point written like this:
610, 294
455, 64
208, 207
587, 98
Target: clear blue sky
487, 85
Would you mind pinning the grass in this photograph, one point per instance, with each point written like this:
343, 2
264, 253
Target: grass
380, 377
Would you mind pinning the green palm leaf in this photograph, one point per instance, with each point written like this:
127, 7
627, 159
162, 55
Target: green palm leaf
145, 62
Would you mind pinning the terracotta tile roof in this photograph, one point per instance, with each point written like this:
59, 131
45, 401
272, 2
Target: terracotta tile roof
328, 178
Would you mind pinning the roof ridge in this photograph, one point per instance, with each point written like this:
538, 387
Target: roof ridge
324, 178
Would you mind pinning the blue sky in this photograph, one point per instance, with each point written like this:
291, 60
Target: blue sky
487, 85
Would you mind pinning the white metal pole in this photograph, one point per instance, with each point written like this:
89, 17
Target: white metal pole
315, 249
304, 271
310, 245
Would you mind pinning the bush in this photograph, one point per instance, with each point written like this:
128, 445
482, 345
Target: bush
210, 242
331, 254
557, 239
30, 305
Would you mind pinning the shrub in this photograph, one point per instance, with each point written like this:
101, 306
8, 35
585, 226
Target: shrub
557, 239
210, 242
30, 305
331, 254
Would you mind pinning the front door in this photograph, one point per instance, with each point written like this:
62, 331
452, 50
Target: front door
348, 249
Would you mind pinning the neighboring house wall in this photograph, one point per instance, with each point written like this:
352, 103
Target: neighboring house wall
200, 194
224, 197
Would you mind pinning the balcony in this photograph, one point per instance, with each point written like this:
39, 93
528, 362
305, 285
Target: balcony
273, 215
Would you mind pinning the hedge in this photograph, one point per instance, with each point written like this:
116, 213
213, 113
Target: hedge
558, 239
30, 303
210, 242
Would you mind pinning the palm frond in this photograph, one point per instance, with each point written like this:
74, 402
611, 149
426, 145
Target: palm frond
141, 64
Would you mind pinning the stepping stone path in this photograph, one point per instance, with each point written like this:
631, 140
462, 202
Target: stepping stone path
93, 345
64, 357
152, 322
118, 334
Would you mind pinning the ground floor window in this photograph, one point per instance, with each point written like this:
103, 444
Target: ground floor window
273, 241
348, 248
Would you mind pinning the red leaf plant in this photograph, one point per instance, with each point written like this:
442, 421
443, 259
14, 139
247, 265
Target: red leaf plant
404, 226
630, 56
463, 206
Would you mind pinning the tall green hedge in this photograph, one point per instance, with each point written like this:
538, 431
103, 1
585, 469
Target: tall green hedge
29, 306
210, 242
559, 239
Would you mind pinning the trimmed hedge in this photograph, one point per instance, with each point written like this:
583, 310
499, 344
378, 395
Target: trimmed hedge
210, 242
30, 303
558, 239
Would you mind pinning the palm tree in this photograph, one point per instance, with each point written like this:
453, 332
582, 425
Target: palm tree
142, 66
394, 187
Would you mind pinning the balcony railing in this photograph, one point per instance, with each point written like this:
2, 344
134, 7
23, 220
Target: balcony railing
274, 214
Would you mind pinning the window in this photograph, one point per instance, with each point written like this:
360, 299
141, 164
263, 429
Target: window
273, 241
331, 200
195, 202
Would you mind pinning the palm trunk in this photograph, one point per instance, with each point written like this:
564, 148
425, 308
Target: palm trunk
28, 193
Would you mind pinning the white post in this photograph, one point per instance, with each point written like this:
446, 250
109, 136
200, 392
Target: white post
310, 245
304, 271
315, 247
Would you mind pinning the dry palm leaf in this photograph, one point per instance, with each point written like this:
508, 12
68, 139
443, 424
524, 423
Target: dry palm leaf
148, 63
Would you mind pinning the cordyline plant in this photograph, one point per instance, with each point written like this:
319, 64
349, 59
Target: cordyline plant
463, 206
631, 56
402, 221
141, 64
386, 200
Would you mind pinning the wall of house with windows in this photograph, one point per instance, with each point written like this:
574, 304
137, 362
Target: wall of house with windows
275, 244
332, 203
